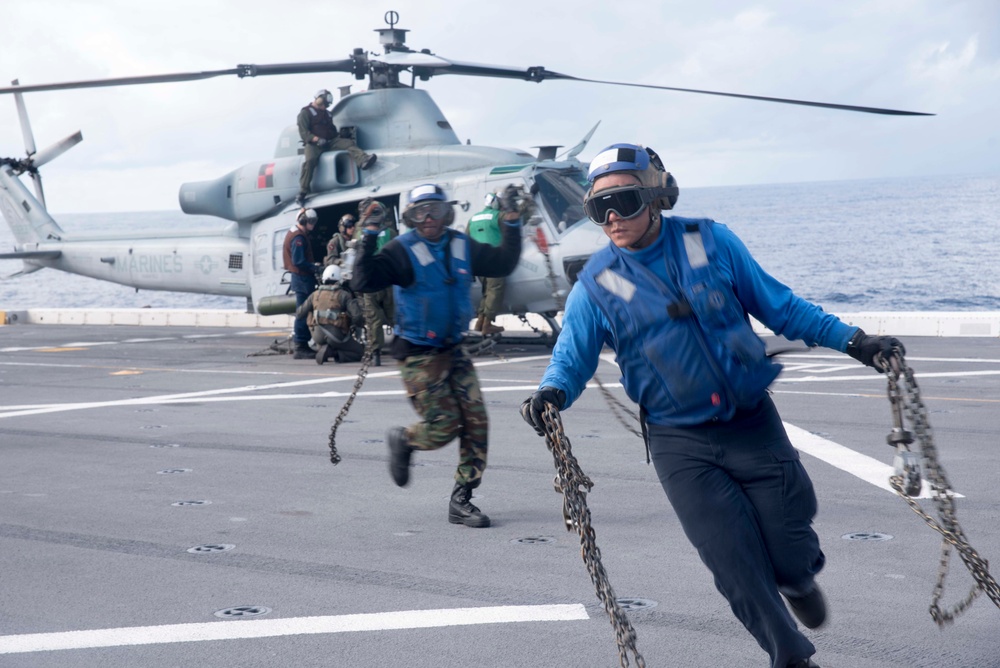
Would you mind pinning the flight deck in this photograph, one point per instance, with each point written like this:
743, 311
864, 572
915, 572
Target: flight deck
166, 499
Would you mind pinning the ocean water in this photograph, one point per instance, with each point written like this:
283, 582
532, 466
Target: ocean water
902, 244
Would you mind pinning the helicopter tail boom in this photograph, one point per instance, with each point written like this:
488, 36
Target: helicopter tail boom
28, 220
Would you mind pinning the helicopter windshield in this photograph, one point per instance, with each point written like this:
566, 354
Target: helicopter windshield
560, 192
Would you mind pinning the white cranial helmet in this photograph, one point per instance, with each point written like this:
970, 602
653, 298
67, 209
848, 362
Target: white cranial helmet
332, 274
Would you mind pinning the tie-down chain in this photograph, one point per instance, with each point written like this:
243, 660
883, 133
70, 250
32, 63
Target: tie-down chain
908, 408
574, 485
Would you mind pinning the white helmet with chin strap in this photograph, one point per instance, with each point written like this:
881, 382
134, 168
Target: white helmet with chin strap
306, 216
332, 274
325, 95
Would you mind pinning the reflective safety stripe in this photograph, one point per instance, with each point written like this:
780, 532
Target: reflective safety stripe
617, 285
422, 253
694, 246
458, 248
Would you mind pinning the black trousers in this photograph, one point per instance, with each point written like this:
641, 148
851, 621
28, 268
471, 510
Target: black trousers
746, 504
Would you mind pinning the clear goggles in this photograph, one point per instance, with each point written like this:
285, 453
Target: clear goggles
420, 213
625, 201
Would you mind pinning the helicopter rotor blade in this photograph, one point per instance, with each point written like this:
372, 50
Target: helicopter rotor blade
120, 81
52, 152
22, 115
411, 59
539, 74
241, 71
319, 67
36, 180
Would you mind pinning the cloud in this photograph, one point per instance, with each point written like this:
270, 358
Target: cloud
142, 142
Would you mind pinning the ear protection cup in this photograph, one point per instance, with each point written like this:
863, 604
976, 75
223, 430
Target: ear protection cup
664, 181
670, 184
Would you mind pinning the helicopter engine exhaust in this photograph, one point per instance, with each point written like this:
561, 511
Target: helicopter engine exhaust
254, 190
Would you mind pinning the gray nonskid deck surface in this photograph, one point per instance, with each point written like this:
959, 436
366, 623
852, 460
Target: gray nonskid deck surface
93, 418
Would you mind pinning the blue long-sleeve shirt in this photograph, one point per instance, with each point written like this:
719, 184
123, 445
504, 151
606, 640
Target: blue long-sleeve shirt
301, 258
586, 331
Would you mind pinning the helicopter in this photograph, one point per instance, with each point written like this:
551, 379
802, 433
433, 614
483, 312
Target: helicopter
393, 118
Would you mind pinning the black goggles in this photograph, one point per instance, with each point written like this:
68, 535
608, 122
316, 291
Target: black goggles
626, 201
421, 212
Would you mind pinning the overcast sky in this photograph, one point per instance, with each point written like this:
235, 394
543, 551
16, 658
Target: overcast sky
140, 143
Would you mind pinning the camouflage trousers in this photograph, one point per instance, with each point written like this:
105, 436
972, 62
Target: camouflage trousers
492, 301
380, 310
444, 390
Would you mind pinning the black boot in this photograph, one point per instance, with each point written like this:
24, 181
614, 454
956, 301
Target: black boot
304, 353
809, 609
399, 455
804, 663
322, 354
378, 357
461, 511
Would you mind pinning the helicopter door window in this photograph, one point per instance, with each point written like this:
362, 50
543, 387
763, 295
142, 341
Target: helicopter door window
561, 193
259, 254
277, 247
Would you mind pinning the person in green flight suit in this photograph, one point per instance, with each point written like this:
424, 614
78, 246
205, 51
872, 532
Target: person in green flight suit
380, 306
484, 227
319, 134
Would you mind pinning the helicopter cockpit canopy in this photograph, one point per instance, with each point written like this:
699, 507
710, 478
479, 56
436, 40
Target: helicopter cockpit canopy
560, 194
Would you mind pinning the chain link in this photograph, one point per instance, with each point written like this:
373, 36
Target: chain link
278, 347
574, 485
904, 393
366, 360
487, 344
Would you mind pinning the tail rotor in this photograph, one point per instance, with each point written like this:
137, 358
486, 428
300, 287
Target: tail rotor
34, 158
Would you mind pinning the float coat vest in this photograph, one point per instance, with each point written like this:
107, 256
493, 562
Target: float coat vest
484, 227
436, 308
321, 122
286, 251
686, 349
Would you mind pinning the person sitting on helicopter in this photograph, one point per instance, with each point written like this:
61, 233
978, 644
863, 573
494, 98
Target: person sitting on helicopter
297, 255
337, 245
484, 227
319, 134
432, 269
336, 317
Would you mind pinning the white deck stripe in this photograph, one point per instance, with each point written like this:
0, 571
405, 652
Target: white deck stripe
862, 466
267, 628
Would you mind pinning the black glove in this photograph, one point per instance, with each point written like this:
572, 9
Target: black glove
533, 407
864, 348
372, 214
508, 199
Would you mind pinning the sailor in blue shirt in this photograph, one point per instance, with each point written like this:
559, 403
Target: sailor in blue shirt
671, 296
